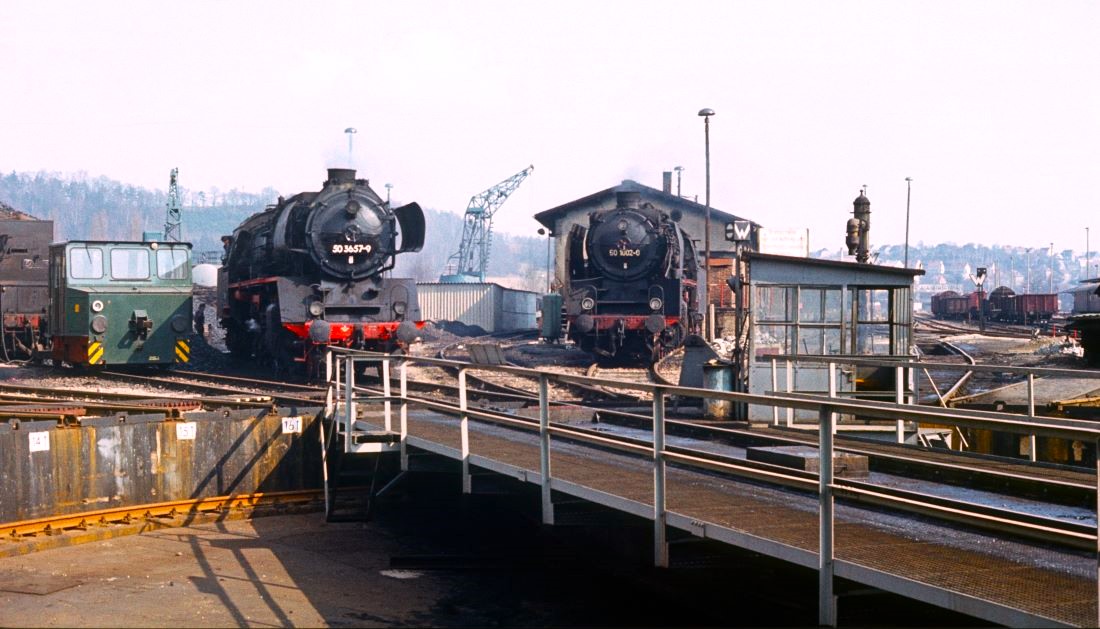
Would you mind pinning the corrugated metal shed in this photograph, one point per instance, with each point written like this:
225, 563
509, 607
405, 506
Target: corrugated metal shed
486, 305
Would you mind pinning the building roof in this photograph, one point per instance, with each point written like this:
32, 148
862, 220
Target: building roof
831, 264
548, 217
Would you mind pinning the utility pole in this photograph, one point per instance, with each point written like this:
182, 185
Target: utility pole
908, 190
708, 332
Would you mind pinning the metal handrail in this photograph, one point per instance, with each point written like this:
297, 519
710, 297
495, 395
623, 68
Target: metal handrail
826, 407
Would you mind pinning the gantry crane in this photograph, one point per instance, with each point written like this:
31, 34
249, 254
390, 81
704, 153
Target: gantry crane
472, 259
172, 229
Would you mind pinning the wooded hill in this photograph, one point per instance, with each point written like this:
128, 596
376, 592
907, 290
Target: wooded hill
99, 208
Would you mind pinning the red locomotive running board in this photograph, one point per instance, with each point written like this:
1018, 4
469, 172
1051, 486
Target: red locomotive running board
630, 322
343, 332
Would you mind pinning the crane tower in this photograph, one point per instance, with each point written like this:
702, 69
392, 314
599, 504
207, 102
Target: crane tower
172, 228
472, 259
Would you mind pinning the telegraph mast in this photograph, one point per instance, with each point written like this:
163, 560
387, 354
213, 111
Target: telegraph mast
173, 229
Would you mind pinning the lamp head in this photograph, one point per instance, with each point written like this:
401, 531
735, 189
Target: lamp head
706, 112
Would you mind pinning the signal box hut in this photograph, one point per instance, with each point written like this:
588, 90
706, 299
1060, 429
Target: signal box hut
692, 218
801, 308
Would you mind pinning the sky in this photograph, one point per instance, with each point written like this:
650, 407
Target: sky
992, 108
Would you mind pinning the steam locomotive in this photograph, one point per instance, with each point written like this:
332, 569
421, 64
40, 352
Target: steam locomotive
307, 272
24, 296
632, 291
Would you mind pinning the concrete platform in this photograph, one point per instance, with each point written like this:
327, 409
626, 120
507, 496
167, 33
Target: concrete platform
808, 459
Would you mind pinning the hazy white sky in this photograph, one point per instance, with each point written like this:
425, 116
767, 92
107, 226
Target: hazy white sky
992, 107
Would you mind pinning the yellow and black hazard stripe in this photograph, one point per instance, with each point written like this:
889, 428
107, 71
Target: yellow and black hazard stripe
95, 352
183, 351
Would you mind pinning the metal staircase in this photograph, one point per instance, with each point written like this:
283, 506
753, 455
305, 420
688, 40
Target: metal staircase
356, 433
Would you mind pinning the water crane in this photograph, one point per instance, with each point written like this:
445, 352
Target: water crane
472, 259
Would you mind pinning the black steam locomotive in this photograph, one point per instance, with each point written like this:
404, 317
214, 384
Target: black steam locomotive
24, 296
632, 290
308, 272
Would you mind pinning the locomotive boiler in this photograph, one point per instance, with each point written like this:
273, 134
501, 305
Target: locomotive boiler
632, 289
308, 271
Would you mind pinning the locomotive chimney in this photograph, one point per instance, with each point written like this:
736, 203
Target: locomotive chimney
667, 181
628, 200
340, 175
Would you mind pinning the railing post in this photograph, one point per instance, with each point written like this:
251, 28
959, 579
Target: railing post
349, 404
464, 427
832, 386
915, 400
775, 387
330, 385
899, 398
826, 602
404, 415
387, 420
544, 449
337, 377
660, 542
1031, 449
790, 388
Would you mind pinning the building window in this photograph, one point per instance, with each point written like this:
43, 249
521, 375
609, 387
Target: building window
882, 319
812, 321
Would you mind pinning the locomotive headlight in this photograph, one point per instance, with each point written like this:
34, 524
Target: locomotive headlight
97, 306
99, 324
179, 324
588, 303
316, 308
655, 304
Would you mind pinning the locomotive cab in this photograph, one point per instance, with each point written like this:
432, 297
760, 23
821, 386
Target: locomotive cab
120, 303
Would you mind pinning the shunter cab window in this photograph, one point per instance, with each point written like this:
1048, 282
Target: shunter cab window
85, 263
172, 264
129, 264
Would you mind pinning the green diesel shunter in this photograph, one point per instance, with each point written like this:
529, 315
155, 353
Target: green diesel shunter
120, 303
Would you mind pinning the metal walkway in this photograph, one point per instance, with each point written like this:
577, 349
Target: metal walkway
981, 574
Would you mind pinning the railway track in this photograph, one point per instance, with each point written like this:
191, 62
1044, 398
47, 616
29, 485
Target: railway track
927, 325
20, 537
266, 392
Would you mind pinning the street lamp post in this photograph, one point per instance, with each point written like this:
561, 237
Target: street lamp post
350, 131
389, 187
547, 234
1088, 254
708, 333
908, 189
